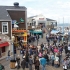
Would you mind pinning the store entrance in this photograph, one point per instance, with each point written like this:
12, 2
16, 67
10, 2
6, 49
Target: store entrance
42, 25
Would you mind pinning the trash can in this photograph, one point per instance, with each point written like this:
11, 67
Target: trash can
12, 64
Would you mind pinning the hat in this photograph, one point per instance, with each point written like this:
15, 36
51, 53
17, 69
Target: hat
23, 57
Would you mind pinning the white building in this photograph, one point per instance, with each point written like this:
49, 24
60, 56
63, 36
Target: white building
40, 21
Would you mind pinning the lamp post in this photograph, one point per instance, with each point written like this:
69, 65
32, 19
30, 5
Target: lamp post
13, 46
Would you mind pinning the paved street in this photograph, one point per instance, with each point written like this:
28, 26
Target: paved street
48, 67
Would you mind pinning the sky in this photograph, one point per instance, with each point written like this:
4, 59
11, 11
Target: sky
54, 9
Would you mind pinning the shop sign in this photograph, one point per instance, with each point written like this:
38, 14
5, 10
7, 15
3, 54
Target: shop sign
41, 18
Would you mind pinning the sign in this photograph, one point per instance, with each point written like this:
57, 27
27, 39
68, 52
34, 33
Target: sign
21, 20
41, 18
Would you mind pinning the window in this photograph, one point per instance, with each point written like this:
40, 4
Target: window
4, 27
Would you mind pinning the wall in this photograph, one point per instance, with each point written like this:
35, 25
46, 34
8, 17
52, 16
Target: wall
16, 15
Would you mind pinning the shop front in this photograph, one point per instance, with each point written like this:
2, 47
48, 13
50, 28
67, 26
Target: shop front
4, 46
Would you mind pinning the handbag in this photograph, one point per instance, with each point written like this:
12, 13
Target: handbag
64, 67
16, 64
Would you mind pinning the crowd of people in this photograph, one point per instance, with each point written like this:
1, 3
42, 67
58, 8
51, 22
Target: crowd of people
45, 54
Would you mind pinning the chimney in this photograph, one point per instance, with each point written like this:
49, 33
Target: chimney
16, 4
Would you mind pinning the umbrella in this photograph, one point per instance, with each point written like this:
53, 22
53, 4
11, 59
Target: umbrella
59, 33
54, 32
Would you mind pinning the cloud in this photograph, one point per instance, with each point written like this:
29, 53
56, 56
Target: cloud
10, 2
52, 9
33, 12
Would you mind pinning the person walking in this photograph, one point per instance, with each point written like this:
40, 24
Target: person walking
30, 63
37, 63
65, 64
23, 63
52, 59
18, 62
43, 63
27, 58
8, 57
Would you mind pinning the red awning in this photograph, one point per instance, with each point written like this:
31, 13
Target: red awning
4, 44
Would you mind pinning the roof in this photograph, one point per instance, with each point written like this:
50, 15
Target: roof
33, 16
50, 19
4, 15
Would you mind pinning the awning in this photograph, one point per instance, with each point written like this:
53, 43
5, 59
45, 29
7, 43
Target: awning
54, 32
4, 44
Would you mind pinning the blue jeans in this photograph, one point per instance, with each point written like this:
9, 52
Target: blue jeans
8, 58
43, 67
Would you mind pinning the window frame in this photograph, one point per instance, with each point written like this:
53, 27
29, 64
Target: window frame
4, 23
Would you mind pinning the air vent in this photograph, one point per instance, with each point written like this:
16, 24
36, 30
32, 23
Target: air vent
16, 4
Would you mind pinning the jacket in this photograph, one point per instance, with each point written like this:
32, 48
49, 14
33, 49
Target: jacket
43, 61
23, 63
37, 63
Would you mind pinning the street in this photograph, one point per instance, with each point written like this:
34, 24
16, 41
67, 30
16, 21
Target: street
48, 67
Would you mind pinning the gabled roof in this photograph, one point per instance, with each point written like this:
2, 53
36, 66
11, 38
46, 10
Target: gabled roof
33, 16
50, 19
4, 15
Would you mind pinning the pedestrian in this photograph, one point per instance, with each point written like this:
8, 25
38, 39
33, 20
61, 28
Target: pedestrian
30, 63
18, 62
43, 63
8, 57
56, 61
46, 57
65, 64
23, 63
39, 47
52, 57
37, 63
27, 58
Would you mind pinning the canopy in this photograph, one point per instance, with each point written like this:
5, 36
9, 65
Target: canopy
36, 31
59, 33
54, 31
4, 44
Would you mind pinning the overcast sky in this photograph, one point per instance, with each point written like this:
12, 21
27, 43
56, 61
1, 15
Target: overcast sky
53, 9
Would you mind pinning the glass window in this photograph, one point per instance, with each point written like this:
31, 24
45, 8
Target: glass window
4, 27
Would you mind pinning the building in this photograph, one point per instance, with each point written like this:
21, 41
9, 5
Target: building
10, 14
4, 45
9, 17
40, 21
